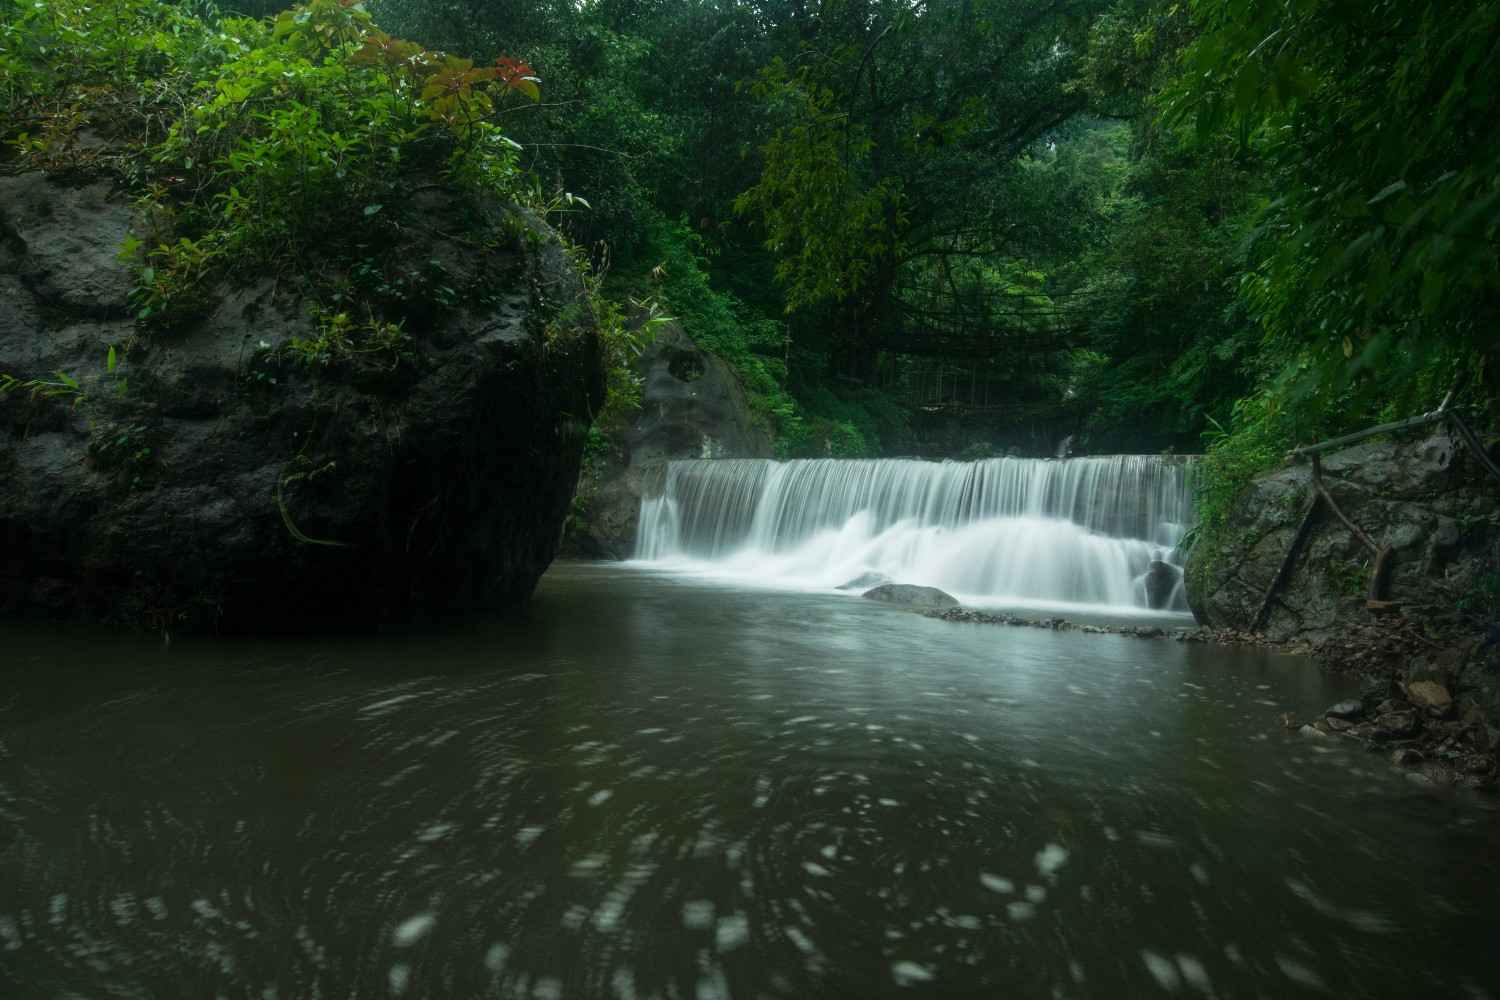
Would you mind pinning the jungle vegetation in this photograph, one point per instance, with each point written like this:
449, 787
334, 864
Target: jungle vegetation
946, 227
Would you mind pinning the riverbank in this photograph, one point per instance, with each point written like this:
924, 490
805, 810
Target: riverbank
1429, 697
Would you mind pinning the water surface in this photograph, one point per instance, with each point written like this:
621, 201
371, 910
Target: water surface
656, 787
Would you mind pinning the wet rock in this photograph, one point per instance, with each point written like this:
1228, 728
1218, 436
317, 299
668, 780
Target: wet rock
1346, 710
1406, 757
1376, 688
1395, 725
234, 488
865, 581
1161, 582
1426, 497
693, 405
1338, 725
1478, 764
1388, 706
1312, 731
907, 595
1430, 696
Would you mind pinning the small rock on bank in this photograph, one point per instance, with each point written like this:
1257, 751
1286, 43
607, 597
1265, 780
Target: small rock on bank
1431, 697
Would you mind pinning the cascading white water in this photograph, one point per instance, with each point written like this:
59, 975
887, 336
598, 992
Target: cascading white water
1078, 531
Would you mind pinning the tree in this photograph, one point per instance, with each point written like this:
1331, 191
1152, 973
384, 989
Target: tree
1374, 274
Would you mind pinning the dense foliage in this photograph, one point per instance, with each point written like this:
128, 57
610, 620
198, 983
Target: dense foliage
953, 227
1373, 273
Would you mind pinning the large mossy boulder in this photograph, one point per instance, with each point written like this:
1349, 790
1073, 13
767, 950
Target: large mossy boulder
692, 406
1427, 499
255, 465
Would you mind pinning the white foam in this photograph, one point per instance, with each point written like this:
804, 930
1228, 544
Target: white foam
994, 883
910, 973
1162, 970
1195, 974
1020, 911
1050, 858
1299, 973
697, 914
413, 929
733, 930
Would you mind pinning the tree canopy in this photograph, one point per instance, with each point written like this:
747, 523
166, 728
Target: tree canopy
960, 226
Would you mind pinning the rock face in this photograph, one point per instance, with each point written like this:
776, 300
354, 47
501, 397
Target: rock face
692, 406
908, 596
1426, 498
214, 479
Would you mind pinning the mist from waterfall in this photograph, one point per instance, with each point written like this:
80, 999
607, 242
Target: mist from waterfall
1007, 531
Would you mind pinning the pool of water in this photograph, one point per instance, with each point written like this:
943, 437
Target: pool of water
657, 787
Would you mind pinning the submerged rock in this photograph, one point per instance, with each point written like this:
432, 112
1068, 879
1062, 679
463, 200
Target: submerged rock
909, 596
216, 474
1346, 710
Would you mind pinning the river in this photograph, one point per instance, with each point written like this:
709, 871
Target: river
657, 786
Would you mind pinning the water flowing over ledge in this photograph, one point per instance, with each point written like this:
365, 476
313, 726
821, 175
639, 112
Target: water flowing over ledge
1083, 531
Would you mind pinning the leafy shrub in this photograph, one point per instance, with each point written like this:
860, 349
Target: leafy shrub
272, 143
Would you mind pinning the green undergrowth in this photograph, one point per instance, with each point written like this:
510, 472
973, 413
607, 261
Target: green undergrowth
284, 148
802, 419
716, 320
1266, 425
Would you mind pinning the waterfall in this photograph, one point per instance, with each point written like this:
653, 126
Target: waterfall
1007, 530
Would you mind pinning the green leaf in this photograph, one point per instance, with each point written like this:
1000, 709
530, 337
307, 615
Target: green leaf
1432, 291
1247, 88
111, 361
372, 209
1387, 191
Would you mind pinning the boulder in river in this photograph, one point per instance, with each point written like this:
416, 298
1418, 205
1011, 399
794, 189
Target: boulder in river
1161, 582
222, 473
909, 596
